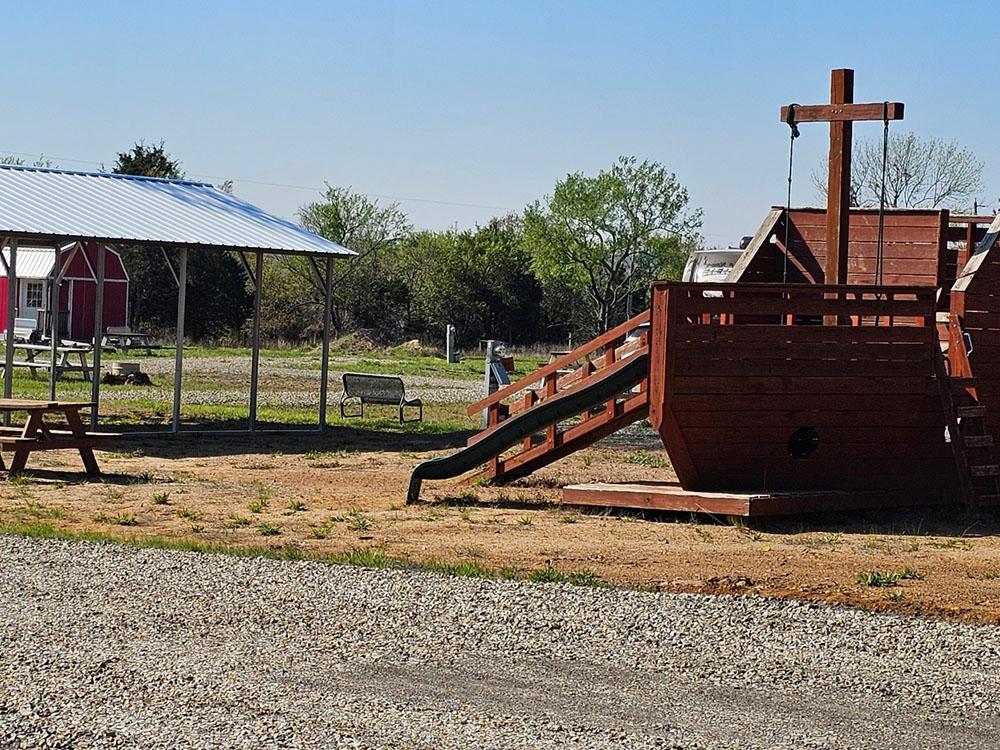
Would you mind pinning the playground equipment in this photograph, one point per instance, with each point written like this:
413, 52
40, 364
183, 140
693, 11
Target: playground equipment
849, 360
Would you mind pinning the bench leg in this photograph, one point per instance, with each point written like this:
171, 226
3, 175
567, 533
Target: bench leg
90, 462
20, 460
79, 432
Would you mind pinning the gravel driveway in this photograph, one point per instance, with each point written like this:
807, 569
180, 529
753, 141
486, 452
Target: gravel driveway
107, 646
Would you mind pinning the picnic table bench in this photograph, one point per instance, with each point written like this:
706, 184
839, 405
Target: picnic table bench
37, 434
63, 354
122, 338
377, 389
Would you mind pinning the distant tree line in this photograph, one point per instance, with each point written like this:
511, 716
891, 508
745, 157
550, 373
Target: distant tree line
574, 263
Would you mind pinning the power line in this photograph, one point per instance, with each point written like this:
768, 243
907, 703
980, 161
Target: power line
283, 185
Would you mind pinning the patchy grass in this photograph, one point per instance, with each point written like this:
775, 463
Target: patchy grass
366, 557
887, 578
122, 519
648, 460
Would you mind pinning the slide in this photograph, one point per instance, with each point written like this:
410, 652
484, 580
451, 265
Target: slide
527, 423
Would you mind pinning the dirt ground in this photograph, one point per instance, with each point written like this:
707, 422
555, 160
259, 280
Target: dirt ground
345, 491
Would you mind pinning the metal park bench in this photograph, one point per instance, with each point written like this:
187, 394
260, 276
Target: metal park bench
377, 389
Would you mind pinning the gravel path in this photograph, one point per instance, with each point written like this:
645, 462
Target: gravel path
106, 646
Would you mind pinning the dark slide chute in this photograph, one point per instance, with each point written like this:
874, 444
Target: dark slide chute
598, 390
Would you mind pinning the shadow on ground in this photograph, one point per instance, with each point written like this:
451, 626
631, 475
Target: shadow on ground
941, 520
292, 440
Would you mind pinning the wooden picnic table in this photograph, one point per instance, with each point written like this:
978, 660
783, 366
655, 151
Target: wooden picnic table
38, 434
120, 339
63, 354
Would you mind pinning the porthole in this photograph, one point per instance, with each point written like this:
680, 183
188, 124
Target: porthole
803, 442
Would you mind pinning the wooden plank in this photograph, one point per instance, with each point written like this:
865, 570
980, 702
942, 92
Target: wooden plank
581, 385
869, 215
852, 350
714, 367
746, 402
843, 111
665, 497
838, 196
802, 334
857, 419
762, 305
653, 497
560, 363
734, 455
868, 436
789, 384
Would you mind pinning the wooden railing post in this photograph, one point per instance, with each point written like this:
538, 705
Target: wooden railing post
530, 397
550, 390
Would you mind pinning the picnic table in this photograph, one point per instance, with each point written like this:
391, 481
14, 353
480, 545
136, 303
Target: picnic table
64, 353
38, 434
121, 338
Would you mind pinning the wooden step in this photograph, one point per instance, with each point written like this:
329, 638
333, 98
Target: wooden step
988, 500
968, 412
962, 383
977, 441
985, 470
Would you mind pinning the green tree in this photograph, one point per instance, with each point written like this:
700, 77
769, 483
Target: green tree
218, 301
597, 234
479, 280
369, 290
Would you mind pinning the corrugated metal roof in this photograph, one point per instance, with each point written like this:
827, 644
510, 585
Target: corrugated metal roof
32, 262
122, 208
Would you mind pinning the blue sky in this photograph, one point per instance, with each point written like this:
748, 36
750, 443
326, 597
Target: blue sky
466, 110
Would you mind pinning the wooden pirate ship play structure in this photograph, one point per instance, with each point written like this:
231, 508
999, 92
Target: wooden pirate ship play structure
851, 359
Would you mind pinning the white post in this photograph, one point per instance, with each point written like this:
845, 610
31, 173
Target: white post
179, 355
324, 378
95, 379
255, 343
54, 320
8, 368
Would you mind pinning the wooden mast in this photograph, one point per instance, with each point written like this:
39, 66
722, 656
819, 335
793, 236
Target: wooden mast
841, 112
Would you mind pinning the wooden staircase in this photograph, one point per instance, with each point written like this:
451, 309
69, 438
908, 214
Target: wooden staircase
569, 373
971, 441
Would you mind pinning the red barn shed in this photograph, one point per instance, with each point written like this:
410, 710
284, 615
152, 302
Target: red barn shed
36, 270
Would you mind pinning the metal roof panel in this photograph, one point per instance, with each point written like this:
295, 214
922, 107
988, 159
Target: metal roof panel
144, 210
32, 262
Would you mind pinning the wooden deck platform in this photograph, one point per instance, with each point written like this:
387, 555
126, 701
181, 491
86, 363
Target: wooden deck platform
673, 497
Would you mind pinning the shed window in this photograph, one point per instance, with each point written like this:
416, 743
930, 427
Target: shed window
34, 294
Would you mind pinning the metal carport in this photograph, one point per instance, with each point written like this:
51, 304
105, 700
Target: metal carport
67, 208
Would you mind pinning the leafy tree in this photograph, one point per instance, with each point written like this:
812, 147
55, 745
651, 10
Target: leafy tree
920, 173
597, 234
218, 301
368, 290
480, 280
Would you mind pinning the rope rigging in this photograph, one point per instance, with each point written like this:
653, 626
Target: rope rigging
794, 133
879, 249
880, 244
